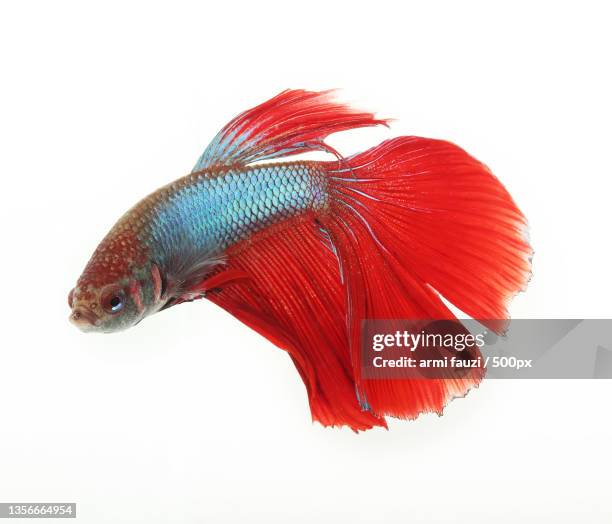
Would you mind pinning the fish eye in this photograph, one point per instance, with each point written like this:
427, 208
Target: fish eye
116, 303
113, 300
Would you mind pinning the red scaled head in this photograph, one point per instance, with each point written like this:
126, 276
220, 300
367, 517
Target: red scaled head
109, 295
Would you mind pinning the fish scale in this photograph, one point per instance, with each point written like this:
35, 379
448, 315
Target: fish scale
210, 211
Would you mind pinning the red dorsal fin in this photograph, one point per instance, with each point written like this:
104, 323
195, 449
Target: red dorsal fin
294, 121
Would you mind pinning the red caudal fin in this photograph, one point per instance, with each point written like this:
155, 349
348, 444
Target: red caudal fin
443, 216
413, 219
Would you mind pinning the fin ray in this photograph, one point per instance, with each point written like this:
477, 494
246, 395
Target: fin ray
294, 297
294, 121
427, 220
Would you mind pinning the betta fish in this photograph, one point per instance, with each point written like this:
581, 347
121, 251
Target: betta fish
303, 251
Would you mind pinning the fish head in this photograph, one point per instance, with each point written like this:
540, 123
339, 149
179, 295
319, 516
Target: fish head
113, 293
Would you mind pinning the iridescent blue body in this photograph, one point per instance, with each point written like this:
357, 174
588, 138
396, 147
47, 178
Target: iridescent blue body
209, 211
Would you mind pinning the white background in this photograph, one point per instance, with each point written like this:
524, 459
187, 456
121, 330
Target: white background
190, 417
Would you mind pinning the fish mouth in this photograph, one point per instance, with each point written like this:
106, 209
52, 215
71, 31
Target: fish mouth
84, 318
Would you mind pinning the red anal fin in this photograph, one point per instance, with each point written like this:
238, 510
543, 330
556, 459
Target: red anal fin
295, 299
